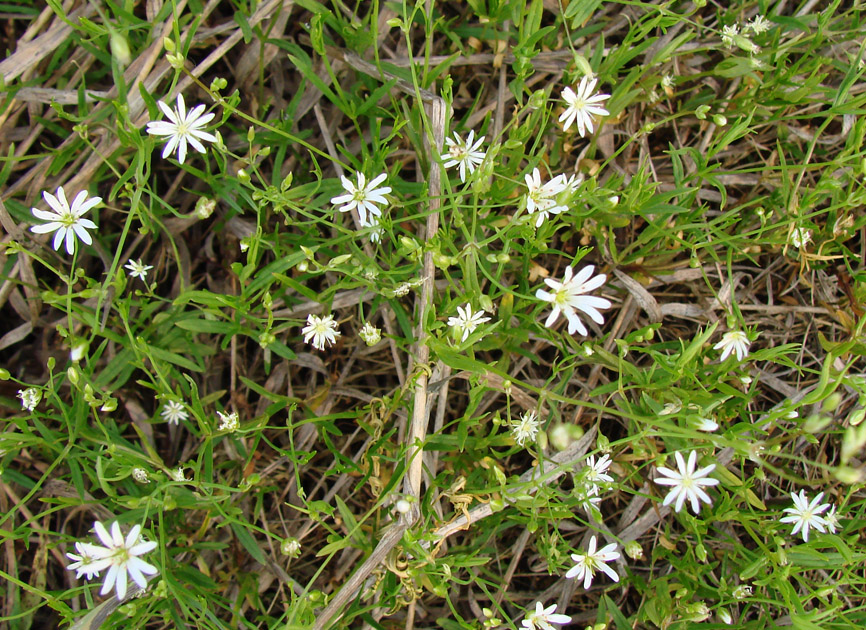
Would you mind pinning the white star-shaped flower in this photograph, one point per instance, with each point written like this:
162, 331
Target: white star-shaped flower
173, 412
543, 617
464, 154
582, 106
120, 556
569, 296
587, 563
541, 198
365, 196
687, 482
733, 341
183, 127
66, 221
137, 269
806, 514
596, 471
83, 564
466, 321
525, 428
321, 330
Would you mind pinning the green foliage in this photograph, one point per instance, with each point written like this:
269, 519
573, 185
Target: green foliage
719, 150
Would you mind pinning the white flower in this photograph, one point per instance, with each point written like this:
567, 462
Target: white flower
137, 269
30, 397
184, 127
525, 428
119, 556
587, 563
321, 330
541, 198
667, 81
759, 24
800, 237
140, 475
466, 321
729, 32
464, 154
582, 106
376, 230
806, 514
596, 470
370, 334
543, 617
173, 412
569, 296
364, 196
686, 482
177, 474
83, 562
66, 221
733, 341
228, 422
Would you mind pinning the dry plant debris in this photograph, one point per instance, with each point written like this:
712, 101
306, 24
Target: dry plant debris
496, 314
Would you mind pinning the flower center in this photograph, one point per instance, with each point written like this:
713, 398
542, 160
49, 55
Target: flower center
122, 556
560, 298
68, 218
458, 153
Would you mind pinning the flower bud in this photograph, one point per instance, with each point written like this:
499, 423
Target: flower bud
204, 207
291, 547
119, 48
633, 550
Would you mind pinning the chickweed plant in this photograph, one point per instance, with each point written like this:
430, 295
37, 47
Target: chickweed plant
462, 315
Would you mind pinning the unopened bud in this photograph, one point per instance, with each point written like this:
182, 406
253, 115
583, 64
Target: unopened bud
204, 207
291, 547
119, 48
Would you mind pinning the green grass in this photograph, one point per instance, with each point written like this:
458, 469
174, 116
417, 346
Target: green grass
401, 454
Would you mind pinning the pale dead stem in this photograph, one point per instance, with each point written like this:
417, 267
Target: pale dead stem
417, 430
